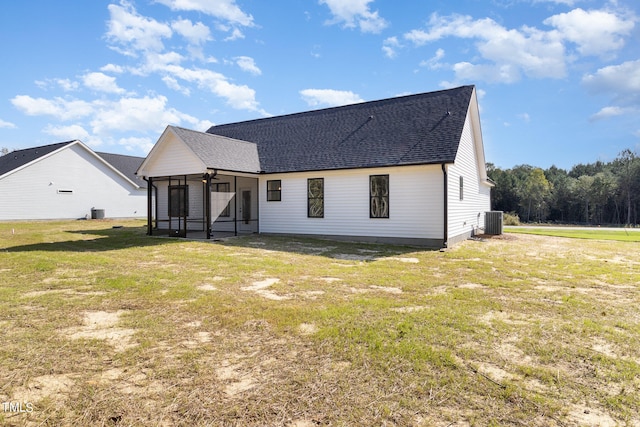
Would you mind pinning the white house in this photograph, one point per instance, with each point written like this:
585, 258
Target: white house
68, 180
404, 170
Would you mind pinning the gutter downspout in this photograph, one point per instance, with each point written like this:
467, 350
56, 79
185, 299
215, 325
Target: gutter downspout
446, 207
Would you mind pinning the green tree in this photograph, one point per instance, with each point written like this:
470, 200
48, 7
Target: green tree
535, 191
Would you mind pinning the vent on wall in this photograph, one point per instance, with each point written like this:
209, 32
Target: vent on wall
65, 191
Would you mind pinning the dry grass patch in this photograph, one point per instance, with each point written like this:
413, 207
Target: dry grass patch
107, 326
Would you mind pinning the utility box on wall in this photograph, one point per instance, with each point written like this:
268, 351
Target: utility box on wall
493, 223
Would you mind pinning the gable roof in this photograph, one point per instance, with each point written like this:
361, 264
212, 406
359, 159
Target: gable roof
19, 158
121, 164
127, 165
415, 129
220, 152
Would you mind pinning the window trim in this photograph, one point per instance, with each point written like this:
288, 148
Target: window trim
381, 198
185, 189
272, 193
309, 198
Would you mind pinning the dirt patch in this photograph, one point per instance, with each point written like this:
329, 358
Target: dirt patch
101, 325
409, 260
207, 287
330, 279
44, 386
585, 416
262, 288
471, 286
307, 329
236, 381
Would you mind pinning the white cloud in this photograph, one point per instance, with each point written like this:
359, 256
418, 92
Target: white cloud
355, 13
112, 68
596, 32
509, 52
564, 2
608, 112
57, 107
134, 143
64, 84
227, 10
237, 96
390, 47
248, 64
236, 34
525, 117
196, 34
133, 114
173, 84
621, 81
69, 133
67, 85
133, 32
329, 97
434, 62
101, 83
622, 84
6, 125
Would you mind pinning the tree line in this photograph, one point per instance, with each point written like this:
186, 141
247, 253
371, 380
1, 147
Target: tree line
594, 193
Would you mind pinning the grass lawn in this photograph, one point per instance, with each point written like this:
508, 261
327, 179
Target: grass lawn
621, 235
106, 326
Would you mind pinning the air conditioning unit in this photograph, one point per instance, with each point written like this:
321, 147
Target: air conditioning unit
493, 223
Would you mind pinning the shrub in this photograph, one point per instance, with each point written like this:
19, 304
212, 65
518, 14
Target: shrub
510, 218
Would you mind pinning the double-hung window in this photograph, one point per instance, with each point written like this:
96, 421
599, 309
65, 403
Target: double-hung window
315, 197
274, 190
379, 196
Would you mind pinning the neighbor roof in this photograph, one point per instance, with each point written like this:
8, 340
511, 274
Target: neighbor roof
127, 165
19, 158
416, 129
220, 152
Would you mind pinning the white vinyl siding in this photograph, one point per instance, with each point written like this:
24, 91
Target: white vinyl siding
468, 196
41, 189
182, 159
415, 204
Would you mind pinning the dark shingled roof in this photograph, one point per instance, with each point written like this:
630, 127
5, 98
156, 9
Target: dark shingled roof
221, 152
416, 129
19, 158
127, 165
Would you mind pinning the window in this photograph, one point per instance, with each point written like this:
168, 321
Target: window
274, 190
461, 188
178, 200
379, 196
222, 187
315, 198
63, 191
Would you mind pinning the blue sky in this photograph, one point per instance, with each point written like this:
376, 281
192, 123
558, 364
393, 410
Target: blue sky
558, 80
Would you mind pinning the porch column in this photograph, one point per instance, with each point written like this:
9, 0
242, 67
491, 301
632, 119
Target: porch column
235, 206
149, 206
207, 201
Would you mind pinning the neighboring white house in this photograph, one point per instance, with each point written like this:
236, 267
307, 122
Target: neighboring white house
68, 180
405, 170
